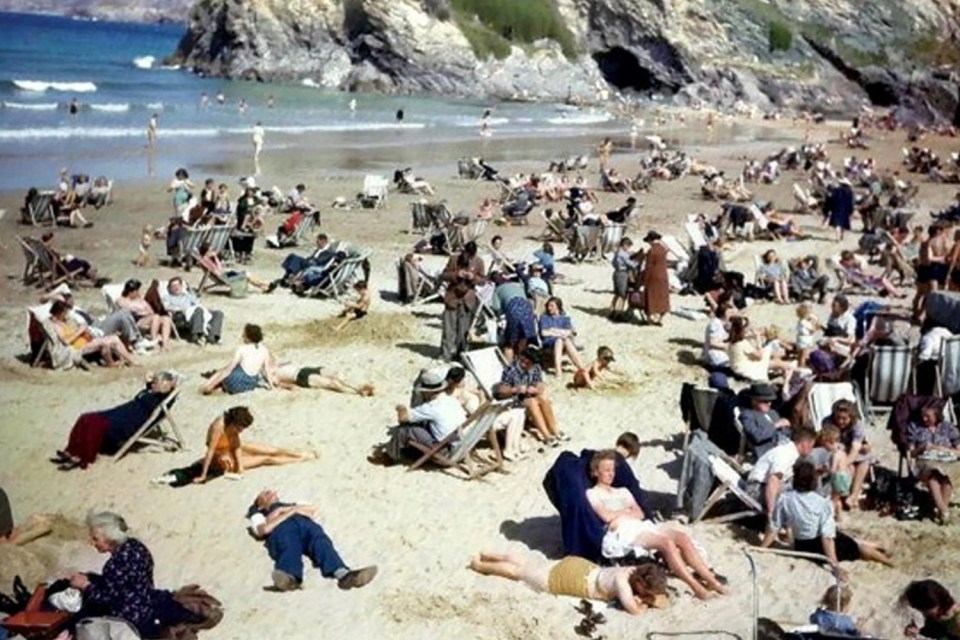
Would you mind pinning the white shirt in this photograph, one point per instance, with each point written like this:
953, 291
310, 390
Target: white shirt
715, 332
931, 343
779, 461
809, 515
444, 413
846, 323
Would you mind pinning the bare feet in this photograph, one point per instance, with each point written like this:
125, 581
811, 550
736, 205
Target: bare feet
367, 390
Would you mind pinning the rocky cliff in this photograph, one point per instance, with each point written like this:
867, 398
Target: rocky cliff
118, 10
823, 54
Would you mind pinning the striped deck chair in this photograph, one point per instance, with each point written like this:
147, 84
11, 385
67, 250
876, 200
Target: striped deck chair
190, 243
151, 432
50, 268
585, 241
420, 221
487, 367
304, 229
454, 451
415, 285
889, 376
948, 368
677, 253
219, 237
822, 397
553, 229
353, 269
610, 240
39, 211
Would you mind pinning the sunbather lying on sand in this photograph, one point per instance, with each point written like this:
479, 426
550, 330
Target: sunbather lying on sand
635, 588
291, 375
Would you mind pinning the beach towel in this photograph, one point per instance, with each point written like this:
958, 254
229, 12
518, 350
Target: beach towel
566, 485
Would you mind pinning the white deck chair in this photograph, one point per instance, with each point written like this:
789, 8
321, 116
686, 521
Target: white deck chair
610, 240
463, 441
889, 376
342, 278
487, 367
729, 481
822, 397
695, 233
152, 432
374, 194
677, 253
948, 367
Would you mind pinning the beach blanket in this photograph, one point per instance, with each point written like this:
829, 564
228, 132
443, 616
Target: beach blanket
566, 484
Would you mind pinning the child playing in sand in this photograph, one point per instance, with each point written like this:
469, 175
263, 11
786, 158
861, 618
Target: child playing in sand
807, 327
357, 309
831, 616
143, 255
837, 468
591, 376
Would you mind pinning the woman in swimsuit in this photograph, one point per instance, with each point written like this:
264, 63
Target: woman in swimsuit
627, 530
226, 454
290, 375
250, 368
635, 588
132, 300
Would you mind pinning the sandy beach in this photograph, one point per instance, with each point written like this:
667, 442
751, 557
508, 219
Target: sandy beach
420, 527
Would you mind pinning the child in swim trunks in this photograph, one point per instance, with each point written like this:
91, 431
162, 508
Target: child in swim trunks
356, 309
589, 377
839, 469
143, 252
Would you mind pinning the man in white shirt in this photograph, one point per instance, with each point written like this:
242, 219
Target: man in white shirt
774, 469
430, 422
290, 532
187, 310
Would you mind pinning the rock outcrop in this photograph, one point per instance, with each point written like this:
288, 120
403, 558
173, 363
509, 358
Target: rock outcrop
831, 55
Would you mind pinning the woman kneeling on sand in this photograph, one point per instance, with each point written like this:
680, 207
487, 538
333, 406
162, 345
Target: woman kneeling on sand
628, 530
635, 588
228, 456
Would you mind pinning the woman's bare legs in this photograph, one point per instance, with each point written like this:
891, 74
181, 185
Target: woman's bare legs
573, 352
332, 382
940, 490
860, 471
533, 573
513, 431
557, 355
216, 380
540, 412
872, 552
166, 326
678, 552
258, 455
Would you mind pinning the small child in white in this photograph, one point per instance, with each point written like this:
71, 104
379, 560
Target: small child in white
356, 309
143, 252
807, 326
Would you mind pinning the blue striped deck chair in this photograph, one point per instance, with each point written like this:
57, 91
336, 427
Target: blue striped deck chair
889, 376
948, 368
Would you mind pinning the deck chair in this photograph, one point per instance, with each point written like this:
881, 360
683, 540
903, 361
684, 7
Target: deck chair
610, 239
415, 285
889, 376
374, 194
219, 237
948, 368
31, 267
704, 401
469, 169
585, 241
454, 451
212, 282
822, 397
695, 233
112, 292
554, 230
420, 221
152, 433
51, 269
343, 276
677, 253
101, 193
190, 243
707, 476
41, 342
907, 409
39, 211
487, 367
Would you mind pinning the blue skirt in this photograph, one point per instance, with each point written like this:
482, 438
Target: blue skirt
239, 381
521, 321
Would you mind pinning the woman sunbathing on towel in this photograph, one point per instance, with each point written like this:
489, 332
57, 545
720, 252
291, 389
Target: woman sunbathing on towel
250, 368
635, 588
290, 375
228, 456
627, 530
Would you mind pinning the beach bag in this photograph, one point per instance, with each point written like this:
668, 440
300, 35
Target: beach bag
105, 629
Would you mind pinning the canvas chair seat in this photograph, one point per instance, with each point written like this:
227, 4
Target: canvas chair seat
39, 211
415, 285
822, 397
948, 368
31, 269
152, 432
454, 451
420, 221
49, 267
487, 367
343, 276
610, 239
889, 376
374, 193
708, 476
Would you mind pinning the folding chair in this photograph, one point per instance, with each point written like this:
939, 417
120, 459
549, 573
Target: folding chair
343, 276
822, 397
585, 240
190, 243
487, 367
907, 409
40, 340
39, 210
154, 423
676, 250
304, 229
463, 441
415, 285
729, 480
51, 269
703, 403
420, 221
374, 194
889, 376
695, 233
610, 239
554, 229
111, 294
31, 267
948, 368
211, 281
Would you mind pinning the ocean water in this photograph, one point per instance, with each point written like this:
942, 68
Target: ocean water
115, 72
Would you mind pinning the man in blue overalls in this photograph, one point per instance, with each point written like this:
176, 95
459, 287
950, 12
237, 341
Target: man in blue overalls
290, 533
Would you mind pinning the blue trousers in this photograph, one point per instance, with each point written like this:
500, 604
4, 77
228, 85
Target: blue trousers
300, 536
294, 264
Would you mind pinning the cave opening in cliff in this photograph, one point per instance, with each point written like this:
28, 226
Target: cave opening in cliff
622, 69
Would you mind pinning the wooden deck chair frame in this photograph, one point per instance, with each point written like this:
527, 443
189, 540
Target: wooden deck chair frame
163, 413
724, 473
36, 328
486, 365
304, 229
948, 368
885, 390
31, 267
553, 229
216, 284
40, 210
50, 268
341, 279
823, 395
476, 427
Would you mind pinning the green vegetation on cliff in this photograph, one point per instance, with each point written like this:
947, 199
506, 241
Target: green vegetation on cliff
492, 26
